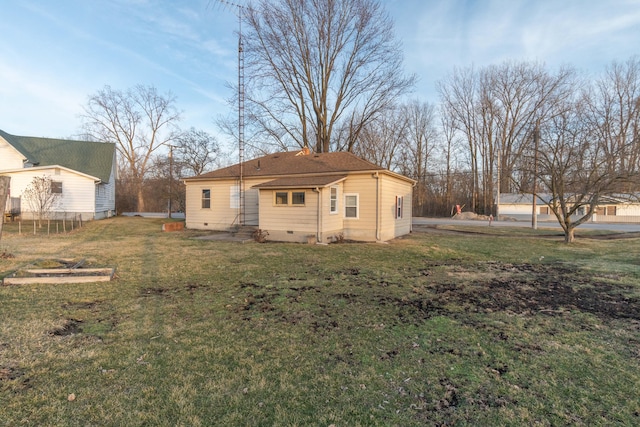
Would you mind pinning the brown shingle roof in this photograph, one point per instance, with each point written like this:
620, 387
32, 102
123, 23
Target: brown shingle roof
301, 182
292, 163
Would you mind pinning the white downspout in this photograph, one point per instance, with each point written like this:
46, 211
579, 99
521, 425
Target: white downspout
377, 177
318, 216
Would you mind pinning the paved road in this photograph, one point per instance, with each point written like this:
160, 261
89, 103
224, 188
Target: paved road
617, 227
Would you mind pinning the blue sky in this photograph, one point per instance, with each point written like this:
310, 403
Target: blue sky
54, 54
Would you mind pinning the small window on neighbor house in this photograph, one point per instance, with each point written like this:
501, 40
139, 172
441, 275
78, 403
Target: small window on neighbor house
399, 206
600, 211
544, 210
297, 198
611, 210
334, 200
282, 198
206, 199
56, 187
351, 206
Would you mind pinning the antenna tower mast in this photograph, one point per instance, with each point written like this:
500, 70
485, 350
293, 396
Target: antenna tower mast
241, 200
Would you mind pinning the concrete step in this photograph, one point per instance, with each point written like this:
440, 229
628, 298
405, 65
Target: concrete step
244, 231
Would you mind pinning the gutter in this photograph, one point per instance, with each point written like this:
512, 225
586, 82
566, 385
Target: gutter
318, 215
376, 175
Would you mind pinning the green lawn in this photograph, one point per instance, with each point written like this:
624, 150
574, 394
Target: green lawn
432, 329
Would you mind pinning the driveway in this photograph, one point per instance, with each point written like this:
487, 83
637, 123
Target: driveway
615, 227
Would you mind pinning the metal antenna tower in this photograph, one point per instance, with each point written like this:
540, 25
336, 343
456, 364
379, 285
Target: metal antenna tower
241, 200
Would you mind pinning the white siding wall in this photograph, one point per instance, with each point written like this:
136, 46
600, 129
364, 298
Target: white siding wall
78, 192
106, 196
9, 157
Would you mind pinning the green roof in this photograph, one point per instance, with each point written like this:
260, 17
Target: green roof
88, 157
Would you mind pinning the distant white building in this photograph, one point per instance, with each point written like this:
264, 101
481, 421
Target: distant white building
83, 172
611, 209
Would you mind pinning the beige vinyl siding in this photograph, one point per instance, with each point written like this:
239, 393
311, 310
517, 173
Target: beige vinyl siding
363, 227
221, 215
332, 224
628, 209
390, 226
289, 223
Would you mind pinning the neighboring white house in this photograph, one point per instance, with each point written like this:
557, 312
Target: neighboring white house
611, 209
83, 172
303, 196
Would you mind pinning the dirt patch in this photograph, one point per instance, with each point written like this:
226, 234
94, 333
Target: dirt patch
147, 292
70, 327
524, 289
552, 290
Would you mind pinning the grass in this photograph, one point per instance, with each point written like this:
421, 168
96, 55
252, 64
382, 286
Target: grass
433, 329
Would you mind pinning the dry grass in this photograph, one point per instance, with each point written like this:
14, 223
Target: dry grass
430, 329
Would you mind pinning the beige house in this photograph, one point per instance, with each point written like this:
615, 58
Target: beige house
302, 197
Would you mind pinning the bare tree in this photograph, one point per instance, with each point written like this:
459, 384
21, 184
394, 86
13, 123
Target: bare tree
580, 169
4, 192
494, 108
139, 120
381, 140
42, 195
614, 111
418, 146
316, 66
195, 151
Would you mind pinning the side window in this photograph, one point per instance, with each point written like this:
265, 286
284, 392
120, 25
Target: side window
351, 206
334, 200
399, 206
206, 199
289, 198
282, 198
56, 187
297, 198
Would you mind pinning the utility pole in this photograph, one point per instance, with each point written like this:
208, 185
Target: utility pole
170, 177
498, 193
536, 139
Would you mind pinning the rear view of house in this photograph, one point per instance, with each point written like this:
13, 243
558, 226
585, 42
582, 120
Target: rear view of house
83, 173
303, 196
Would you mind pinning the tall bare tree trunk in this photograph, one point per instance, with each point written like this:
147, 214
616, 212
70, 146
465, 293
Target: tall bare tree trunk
4, 192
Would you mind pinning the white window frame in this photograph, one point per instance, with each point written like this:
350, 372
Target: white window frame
357, 205
333, 200
203, 199
399, 208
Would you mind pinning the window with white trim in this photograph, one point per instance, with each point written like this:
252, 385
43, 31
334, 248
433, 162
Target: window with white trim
399, 206
334, 200
351, 206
